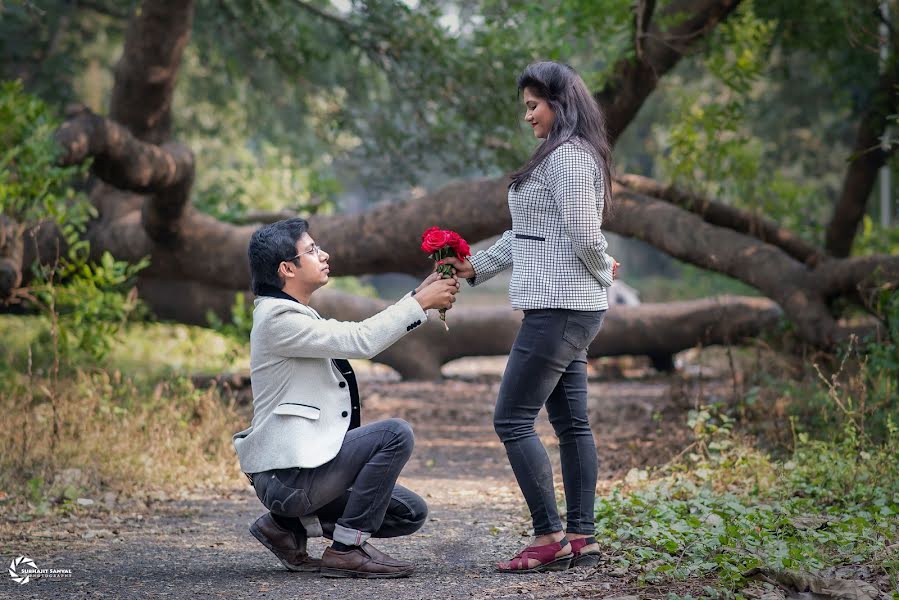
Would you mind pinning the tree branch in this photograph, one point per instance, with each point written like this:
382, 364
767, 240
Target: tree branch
633, 80
103, 9
145, 75
724, 215
120, 159
385, 239
642, 21
769, 269
341, 24
868, 156
855, 274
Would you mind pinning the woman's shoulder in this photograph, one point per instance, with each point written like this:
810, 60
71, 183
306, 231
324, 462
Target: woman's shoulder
572, 151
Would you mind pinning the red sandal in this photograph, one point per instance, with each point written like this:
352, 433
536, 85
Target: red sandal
584, 559
546, 554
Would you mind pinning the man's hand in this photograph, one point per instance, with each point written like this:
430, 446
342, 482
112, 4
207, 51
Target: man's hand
428, 281
615, 265
440, 293
462, 268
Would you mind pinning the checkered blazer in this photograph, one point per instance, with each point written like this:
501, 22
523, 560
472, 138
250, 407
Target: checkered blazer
556, 248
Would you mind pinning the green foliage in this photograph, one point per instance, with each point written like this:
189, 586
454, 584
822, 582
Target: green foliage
32, 185
860, 399
86, 302
62, 51
91, 305
238, 327
873, 238
354, 286
828, 504
765, 117
711, 145
234, 181
680, 529
724, 506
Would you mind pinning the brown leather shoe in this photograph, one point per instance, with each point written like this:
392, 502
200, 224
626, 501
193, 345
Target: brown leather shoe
365, 562
289, 547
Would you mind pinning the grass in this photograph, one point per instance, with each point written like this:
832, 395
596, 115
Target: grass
133, 423
726, 505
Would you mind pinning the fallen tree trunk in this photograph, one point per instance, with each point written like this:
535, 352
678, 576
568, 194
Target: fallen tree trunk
650, 329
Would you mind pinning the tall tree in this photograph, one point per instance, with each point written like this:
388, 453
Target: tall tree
145, 178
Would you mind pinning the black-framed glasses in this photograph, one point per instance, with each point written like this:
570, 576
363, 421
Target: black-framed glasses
314, 249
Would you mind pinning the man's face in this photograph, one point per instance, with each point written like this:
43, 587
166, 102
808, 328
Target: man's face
310, 266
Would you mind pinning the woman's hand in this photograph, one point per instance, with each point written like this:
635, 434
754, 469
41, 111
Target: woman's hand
615, 265
462, 268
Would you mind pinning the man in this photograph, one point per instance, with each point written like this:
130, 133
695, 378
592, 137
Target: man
311, 463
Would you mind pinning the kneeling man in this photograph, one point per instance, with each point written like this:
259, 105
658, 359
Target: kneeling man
311, 463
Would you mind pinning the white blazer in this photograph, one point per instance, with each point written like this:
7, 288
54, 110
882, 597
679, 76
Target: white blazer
301, 401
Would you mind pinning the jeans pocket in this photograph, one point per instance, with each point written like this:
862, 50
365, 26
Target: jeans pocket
279, 498
582, 327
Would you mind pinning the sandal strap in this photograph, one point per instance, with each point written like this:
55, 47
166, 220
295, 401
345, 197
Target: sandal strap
578, 544
543, 554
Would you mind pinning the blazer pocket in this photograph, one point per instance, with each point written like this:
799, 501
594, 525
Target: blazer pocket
536, 238
298, 410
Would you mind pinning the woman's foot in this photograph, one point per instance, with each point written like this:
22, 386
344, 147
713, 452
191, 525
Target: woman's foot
584, 549
554, 556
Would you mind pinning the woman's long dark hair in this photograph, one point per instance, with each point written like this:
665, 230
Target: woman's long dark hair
577, 115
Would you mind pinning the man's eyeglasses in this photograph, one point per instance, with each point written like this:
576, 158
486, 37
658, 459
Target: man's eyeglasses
316, 249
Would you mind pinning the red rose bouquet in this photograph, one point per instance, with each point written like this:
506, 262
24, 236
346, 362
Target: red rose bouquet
440, 244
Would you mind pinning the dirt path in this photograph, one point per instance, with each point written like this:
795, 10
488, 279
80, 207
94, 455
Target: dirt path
200, 548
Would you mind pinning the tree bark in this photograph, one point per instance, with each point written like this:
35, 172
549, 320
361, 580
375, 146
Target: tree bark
145, 76
767, 268
11, 256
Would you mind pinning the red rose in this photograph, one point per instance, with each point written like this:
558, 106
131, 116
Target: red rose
433, 239
459, 246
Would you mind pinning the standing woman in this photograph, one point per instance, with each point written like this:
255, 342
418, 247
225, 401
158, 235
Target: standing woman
560, 274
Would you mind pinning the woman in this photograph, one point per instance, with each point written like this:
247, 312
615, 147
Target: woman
560, 273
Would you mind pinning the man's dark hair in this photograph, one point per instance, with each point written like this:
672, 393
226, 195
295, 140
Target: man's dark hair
269, 247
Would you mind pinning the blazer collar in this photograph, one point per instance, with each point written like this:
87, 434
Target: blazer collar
270, 291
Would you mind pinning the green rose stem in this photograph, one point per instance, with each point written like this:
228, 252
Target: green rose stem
446, 271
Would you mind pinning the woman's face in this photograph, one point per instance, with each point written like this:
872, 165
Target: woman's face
538, 113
